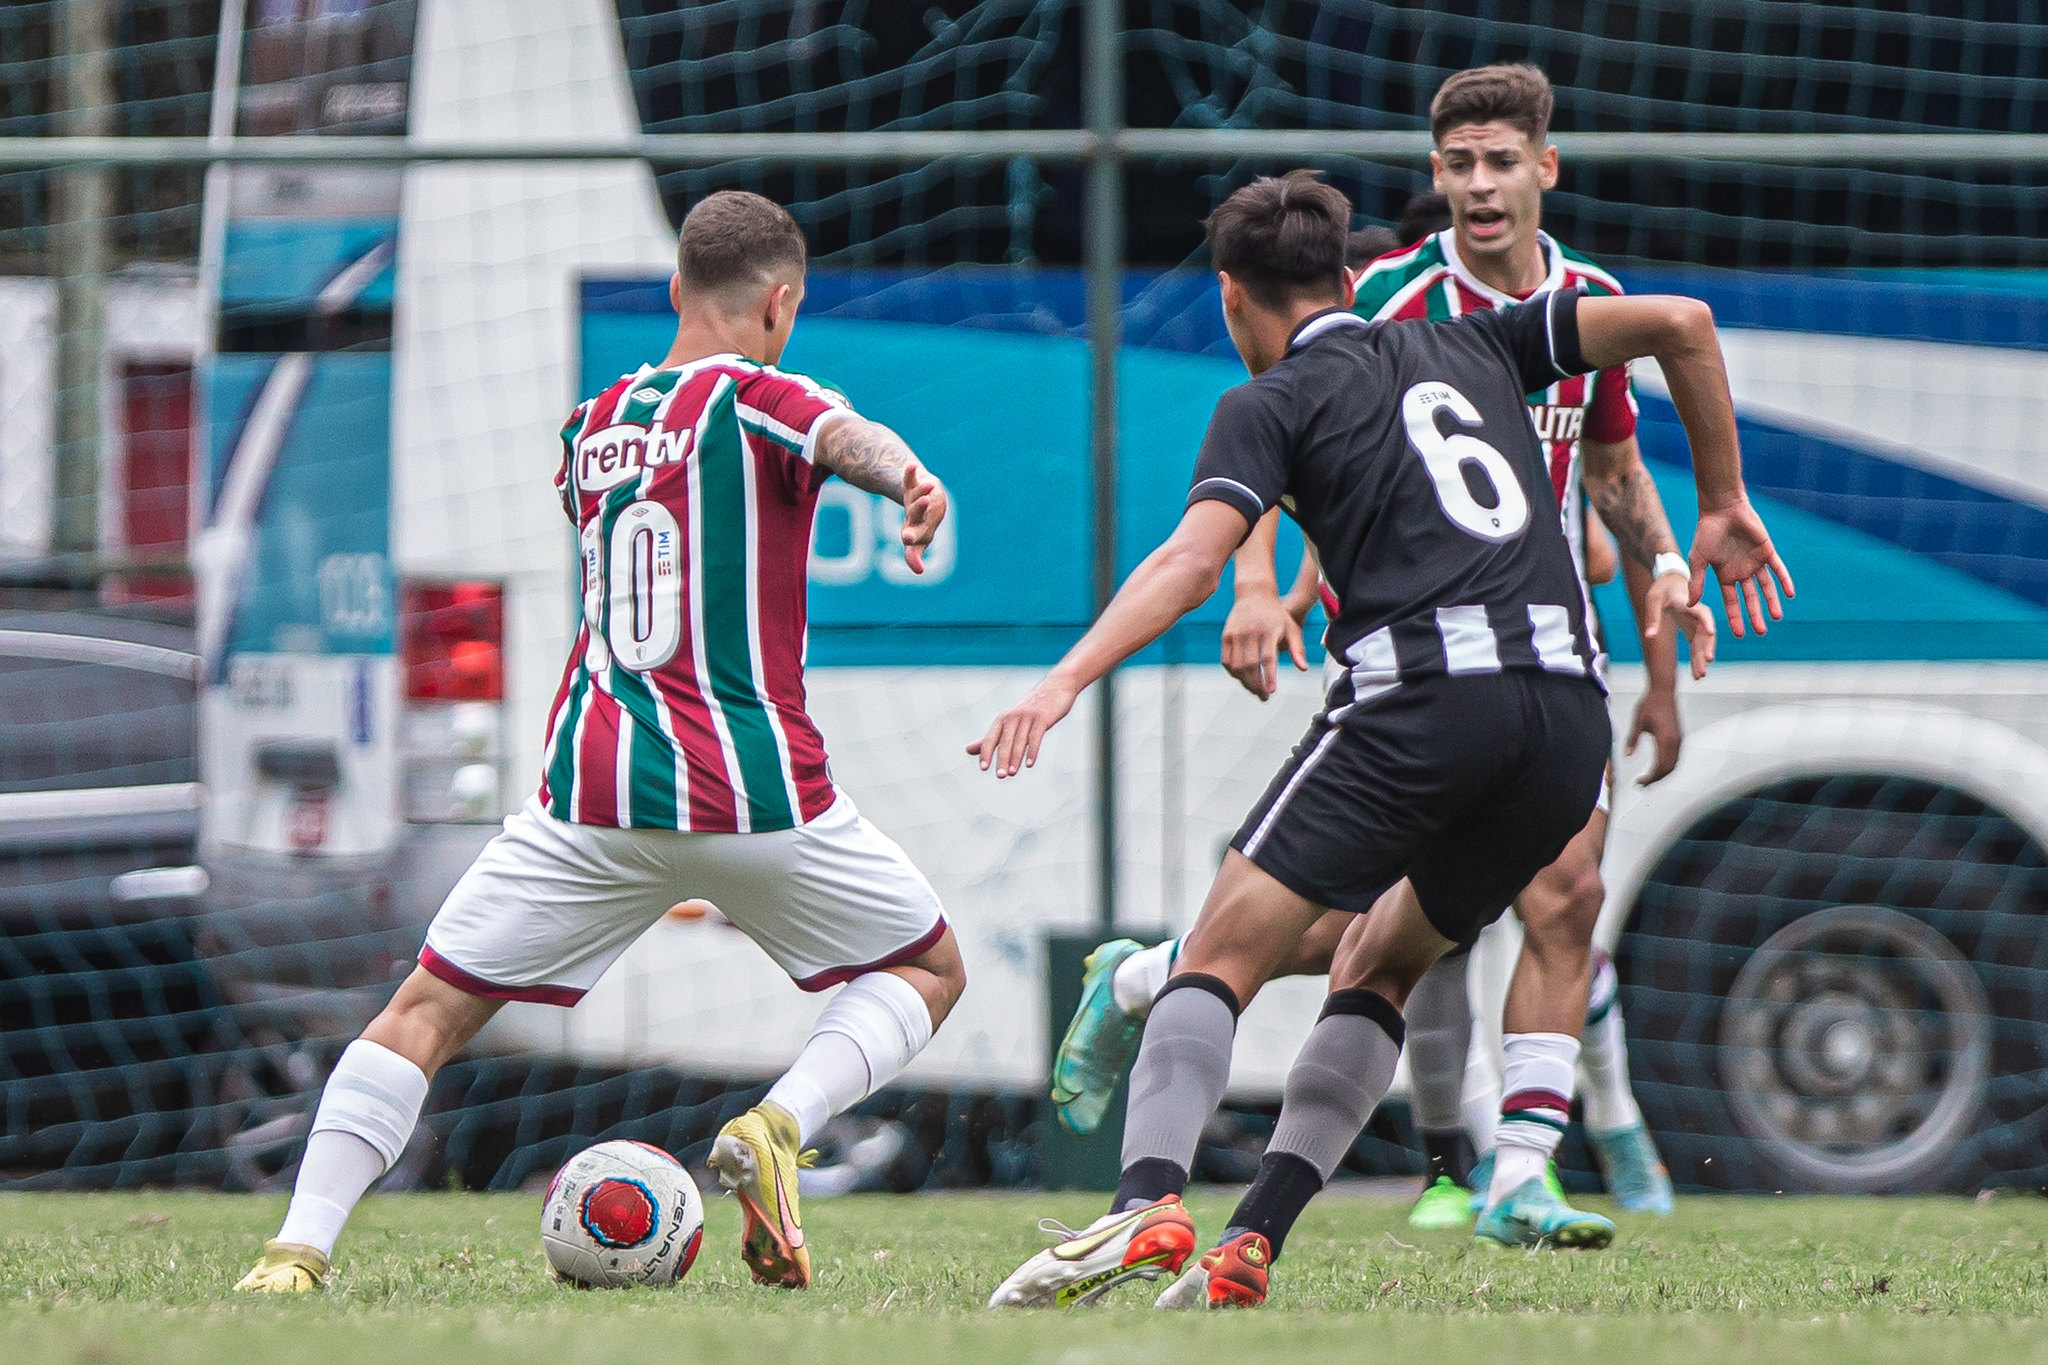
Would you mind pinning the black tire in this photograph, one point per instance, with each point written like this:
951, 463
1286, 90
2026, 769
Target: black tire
1841, 983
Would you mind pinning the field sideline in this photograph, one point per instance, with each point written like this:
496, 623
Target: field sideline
451, 1279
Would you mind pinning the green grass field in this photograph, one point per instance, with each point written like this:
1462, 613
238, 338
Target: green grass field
452, 1279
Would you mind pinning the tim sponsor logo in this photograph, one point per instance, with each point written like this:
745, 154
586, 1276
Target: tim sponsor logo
607, 458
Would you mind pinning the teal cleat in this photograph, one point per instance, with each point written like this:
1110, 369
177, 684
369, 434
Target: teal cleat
1100, 1043
1634, 1173
1482, 1181
1531, 1216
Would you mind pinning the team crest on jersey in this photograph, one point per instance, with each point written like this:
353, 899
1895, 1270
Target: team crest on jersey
611, 456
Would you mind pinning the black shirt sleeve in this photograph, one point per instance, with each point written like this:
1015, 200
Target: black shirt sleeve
1244, 459
1541, 337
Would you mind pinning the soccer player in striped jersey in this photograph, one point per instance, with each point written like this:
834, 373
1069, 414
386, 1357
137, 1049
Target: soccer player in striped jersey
680, 762
1493, 161
1460, 751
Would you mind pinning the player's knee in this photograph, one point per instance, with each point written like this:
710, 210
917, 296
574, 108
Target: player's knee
1566, 907
428, 1021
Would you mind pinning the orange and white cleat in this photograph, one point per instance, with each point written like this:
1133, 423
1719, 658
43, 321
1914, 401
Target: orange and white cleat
1232, 1275
756, 1158
1143, 1243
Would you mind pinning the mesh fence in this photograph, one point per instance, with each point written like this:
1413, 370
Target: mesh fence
168, 1011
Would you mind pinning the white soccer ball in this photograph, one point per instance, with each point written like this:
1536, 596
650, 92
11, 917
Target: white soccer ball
622, 1213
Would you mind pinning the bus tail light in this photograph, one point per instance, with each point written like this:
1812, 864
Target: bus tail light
453, 657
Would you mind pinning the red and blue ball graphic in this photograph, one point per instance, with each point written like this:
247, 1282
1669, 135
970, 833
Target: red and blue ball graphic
619, 1213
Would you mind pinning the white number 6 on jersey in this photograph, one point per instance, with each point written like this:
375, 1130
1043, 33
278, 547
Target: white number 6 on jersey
1446, 457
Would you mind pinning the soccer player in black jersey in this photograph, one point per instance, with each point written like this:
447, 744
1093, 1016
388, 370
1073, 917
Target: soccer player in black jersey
1463, 748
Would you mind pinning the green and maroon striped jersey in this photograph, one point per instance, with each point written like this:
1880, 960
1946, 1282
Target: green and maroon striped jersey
682, 705
1428, 280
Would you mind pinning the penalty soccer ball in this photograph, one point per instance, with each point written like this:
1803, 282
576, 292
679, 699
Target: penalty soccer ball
622, 1213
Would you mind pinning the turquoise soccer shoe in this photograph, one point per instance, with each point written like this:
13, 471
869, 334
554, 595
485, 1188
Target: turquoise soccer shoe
1634, 1173
1482, 1181
1531, 1216
1099, 1045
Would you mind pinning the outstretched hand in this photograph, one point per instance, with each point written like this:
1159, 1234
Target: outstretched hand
1671, 599
924, 507
1733, 543
1011, 743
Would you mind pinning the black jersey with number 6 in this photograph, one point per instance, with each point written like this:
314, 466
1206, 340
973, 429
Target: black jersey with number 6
1405, 452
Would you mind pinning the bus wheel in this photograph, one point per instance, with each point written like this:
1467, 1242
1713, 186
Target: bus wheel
1831, 983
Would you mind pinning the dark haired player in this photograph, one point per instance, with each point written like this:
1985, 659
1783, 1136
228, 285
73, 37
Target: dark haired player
1461, 749
680, 761
1491, 129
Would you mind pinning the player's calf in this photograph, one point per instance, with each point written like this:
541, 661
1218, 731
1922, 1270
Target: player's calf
367, 1113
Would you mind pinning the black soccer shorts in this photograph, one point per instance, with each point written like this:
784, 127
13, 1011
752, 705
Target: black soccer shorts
1468, 786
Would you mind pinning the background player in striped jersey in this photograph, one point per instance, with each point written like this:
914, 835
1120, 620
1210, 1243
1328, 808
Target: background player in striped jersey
680, 762
1493, 162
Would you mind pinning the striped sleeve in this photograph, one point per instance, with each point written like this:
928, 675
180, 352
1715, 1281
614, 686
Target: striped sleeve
564, 489
1611, 406
1541, 337
788, 410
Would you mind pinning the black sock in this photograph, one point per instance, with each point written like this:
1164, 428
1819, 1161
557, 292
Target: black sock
1284, 1186
1449, 1153
1146, 1181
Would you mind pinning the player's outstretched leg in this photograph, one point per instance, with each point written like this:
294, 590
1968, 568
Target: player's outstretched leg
1339, 1077
1615, 1130
872, 1029
1120, 981
367, 1113
1248, 926
1439, 1021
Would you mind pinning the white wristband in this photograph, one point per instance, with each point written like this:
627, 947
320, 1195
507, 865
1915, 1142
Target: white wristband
1671, 563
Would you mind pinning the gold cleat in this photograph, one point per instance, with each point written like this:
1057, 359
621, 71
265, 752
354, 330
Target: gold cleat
286, 1268
756, 1158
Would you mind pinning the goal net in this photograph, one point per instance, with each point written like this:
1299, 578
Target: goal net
287, 591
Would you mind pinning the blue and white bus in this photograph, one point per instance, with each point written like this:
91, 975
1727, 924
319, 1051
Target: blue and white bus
1827, 919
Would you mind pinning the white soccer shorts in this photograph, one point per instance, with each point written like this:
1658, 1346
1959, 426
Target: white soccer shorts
548, 906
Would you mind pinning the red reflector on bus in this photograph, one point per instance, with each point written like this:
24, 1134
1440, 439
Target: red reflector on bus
454, 637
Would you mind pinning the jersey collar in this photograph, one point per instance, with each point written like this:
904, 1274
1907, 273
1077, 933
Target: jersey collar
1316, 324
1553, 269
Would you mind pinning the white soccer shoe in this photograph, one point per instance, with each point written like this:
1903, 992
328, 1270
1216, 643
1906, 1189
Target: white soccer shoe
1139, 1244
1191, 1290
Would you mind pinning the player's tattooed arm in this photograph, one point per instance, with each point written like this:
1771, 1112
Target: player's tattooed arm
1625, 495
876, 460
1659, 585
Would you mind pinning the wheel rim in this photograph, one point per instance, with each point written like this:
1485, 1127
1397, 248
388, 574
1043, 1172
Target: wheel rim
1856, 1046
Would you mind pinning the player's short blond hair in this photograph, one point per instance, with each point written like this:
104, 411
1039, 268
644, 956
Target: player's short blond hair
736, 238
1507, 92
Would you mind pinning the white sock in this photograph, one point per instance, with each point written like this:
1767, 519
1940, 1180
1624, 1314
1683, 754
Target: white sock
1479, 1105
862, 1041
1140, 977
337, 1170
1536, 1086
1610, 1102
367, 1113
